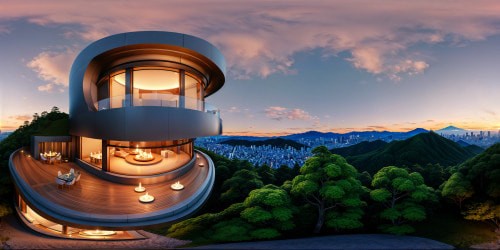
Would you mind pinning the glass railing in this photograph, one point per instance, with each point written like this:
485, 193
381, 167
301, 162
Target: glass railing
158, 100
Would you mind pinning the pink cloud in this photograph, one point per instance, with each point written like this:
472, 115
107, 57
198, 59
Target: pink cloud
53, 67
260, 38
281, 113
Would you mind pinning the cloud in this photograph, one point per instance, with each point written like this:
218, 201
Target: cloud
281, 113
490, 112
21, 118
260, 38
53, 67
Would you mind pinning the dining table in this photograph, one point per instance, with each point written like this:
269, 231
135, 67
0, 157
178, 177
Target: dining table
67, 177
50, 156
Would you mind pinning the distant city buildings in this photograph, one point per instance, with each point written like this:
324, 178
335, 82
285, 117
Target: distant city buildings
257, 155
275, 156
482, 138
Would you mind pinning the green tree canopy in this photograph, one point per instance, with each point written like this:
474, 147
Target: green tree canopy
457, 188
330, 184
400, 193
236, 188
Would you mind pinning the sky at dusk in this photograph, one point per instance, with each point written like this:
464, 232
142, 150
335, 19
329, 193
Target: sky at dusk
293, 66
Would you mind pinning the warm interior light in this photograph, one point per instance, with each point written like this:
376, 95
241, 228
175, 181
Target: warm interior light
143, 156
151, 79
177, 186
97, 232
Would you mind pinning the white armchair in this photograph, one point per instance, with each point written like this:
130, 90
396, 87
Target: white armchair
60, 183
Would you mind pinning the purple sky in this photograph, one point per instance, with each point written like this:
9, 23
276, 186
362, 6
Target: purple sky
293, 66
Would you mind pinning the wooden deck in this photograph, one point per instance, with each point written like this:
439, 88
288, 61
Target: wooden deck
100, 197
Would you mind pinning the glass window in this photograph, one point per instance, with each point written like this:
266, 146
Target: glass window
193, 93
117, 90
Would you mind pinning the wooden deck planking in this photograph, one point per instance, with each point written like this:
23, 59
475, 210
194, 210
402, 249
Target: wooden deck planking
97, 196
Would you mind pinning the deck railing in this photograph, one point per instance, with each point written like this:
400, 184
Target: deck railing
156, 100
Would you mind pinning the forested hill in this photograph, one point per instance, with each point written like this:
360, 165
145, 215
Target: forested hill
483, 171
360, 148
276, 142
422, 149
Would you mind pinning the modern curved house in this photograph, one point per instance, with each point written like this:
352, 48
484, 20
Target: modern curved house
137, 103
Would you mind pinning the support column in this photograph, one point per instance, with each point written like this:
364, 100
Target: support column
129, 88
105, 158
64, 229
182, 88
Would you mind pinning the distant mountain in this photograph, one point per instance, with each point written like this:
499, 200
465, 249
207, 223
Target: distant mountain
474, 148
415, 132
462, 143
277, 142
360, 148
364, 134
420, 149
451, 130
309, 135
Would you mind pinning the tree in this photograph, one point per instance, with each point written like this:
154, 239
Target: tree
329, 183
236, 188
269, 210
54, 110
457, 188
400, 194
486, 211
266, 173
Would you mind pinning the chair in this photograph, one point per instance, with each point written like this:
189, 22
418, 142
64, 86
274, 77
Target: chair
77, 177
43, 158
72, 170
58, 158
60, 183
71, 183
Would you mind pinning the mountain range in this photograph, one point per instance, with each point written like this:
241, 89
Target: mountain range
422, 149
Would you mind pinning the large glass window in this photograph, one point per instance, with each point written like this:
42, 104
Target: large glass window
148, 158
90, 151
192, 92
117, 84
151, 86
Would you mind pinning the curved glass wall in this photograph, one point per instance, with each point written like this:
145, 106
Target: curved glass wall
148, 158
152, 86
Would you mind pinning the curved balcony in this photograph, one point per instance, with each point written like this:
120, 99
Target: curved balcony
95, 202
156, 100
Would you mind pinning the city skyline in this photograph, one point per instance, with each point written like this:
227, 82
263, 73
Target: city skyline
292, 67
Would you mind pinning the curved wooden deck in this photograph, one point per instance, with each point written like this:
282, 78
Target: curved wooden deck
97, 202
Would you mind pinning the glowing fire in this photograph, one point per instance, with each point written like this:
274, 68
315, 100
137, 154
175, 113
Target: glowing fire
144, 156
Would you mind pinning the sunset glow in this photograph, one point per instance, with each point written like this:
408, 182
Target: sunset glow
292, 66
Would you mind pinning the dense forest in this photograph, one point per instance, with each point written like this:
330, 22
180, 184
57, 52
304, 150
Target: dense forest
429, 186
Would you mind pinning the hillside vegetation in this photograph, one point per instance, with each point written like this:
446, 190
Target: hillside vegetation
422, 149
